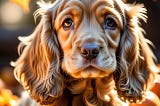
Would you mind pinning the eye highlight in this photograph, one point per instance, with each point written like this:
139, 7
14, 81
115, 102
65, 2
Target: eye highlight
110, 24
68, 24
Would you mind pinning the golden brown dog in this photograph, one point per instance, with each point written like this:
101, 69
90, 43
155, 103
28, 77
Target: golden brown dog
86, 53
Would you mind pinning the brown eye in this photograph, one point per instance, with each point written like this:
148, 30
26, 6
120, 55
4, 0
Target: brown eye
110, 24
67, 24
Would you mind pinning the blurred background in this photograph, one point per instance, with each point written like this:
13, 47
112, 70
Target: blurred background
16, 19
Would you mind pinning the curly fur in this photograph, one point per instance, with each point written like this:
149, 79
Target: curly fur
42, 71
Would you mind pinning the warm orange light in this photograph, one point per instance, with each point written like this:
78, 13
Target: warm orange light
124, 1
24, 4
7, 98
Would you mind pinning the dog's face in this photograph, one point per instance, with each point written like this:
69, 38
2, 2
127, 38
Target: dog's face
89, 34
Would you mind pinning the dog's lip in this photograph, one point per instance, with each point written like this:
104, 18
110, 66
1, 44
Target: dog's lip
92, 67
91, 71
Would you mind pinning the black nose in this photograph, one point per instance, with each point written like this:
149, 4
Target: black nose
89, 50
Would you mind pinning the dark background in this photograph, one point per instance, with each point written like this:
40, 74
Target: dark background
25, 26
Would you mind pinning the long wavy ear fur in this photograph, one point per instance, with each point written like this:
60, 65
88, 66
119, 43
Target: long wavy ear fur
136, 67
38, 67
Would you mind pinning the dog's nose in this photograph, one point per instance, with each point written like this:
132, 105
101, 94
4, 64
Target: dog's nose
89, 50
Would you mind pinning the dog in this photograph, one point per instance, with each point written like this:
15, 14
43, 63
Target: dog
86, 53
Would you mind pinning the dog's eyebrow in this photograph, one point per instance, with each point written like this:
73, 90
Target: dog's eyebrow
108, 3
76, 3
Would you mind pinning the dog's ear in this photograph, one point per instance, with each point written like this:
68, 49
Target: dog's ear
38, 67
135, 60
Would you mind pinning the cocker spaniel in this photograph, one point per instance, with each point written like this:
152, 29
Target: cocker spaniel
86, 53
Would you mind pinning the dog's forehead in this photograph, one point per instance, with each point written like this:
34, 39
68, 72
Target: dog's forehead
88, 5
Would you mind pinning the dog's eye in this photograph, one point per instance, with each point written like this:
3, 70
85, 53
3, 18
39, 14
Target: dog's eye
110, 24
67, 24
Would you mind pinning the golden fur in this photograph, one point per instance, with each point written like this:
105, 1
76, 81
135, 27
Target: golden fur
53, 66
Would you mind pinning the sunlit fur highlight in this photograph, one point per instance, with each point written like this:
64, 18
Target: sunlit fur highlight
39, 69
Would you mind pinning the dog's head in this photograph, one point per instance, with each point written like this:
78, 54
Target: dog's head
86, 39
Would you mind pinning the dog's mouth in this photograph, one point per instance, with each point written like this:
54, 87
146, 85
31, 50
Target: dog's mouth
91, 71
90, 68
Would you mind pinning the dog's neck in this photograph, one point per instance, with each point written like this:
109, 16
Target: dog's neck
92, 87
